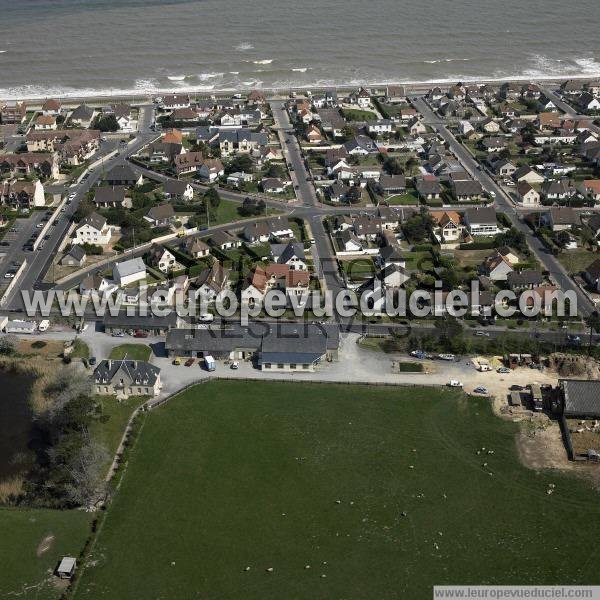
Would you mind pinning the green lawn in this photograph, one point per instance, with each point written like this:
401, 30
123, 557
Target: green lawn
26, 570
277, 475
80, 349
354, 114
132, 351
575, 261
360, 268
409, 198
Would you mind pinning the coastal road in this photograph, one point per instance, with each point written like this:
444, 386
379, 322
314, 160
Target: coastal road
503, 203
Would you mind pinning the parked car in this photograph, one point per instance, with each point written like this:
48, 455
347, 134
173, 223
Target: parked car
503, 370
118, 334
189, 362
92, 361
177, 361
516, 388
140, 334
455, 383
235, 365
482, 333
481, 390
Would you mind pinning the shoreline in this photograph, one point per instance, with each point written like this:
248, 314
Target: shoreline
203, 91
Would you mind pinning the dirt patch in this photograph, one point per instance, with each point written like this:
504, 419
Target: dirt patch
49, 349
540, 446
45, 545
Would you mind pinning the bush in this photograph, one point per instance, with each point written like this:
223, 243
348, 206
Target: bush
39, 344
478, 246
422, 247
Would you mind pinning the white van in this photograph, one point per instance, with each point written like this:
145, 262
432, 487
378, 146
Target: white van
43, 326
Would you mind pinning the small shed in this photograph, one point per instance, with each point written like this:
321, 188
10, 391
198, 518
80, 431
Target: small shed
515, 398
66, 568
74, 257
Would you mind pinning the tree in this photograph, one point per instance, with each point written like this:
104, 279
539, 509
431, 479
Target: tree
562, 238
347, 132
275, 170
593, 322
106, 123
240, 163
393, 166
8, 344
86, 207
212, 197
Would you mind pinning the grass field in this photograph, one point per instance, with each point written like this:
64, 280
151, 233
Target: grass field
132, 351
575, 261
356, 114
27, 566
382, 490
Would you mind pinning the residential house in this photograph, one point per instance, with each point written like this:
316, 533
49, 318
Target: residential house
481, 221
112, 197
338, 191
224, 240
348, 242
496, 267
380, 126
367, 227
527, 174
557, 189
195, 247
174, 189
467, 190
129, 271
447, 226
51, 107
360, 145
332, 121
527, 195
162, 259
361, 98
489, 125
494, 144
559, 218
75, 256
590, 188
122, 113
503, 167
524, 280
161, 215
94, 230
82, 116
210, 170
213, 281
587, 101
273, 185
123, 175
22, 194
428, 189
45, 123
13, 112
241, 140
187, 163
172, 102
274, 277
313, 134
95, 285
291, 254
42, 164
124, 378
392, 184
592, 274
239, 178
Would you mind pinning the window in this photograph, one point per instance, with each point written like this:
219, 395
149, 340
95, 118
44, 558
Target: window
280, 366
292, 366
267, 365
306, 367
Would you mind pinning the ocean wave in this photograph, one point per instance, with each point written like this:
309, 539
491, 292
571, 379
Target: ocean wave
447, 60
3, 51
264, 61
300, 69
176, 77
207, 76
243, 47
234, 72
588, 65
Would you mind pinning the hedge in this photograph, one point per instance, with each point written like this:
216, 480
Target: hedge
478, 246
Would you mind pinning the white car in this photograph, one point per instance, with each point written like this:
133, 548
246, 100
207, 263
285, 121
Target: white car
482, 334
235, 365
455, 383
9, 275
510, 183
39, 225
446, 357
206, 318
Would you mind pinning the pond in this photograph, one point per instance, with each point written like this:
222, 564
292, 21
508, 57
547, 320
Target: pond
17, 431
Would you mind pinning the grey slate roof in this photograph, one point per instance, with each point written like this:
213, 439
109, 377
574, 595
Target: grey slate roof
109, 194
121, 173
468, 187
581, 398
137, 321
94, 220
76, 252
481, 215
137, 371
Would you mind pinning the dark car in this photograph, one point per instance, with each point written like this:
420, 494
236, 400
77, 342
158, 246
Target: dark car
516, 388
140, 334
92, 360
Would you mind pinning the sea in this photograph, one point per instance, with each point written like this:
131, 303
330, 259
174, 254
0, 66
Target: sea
99, 47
